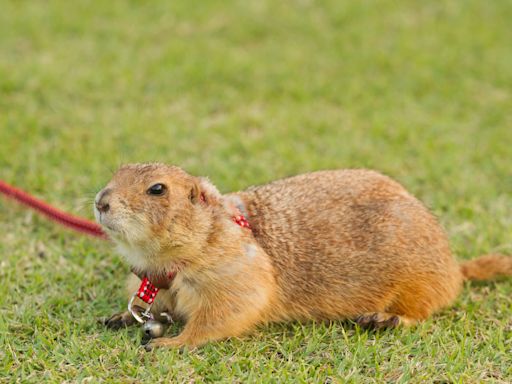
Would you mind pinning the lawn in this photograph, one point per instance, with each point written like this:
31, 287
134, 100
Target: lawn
246, 92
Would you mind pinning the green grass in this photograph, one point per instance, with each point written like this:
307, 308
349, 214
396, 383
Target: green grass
246, 92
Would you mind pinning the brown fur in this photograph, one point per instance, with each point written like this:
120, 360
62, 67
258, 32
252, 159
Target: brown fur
326, 245
487, 267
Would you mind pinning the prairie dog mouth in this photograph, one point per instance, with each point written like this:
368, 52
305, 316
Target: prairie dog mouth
108, 222
101, 219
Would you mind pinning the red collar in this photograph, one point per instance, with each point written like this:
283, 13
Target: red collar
241, 221
148, 289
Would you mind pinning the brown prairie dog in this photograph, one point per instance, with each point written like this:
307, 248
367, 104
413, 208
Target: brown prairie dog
344, 244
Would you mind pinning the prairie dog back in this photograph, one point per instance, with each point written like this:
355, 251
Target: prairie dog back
348, 241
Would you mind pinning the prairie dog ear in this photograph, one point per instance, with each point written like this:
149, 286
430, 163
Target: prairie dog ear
203, 191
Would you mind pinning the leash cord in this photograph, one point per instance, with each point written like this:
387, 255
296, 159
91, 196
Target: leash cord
73, 222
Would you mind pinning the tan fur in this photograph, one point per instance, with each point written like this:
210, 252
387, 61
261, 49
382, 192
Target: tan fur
325, 245
487, 267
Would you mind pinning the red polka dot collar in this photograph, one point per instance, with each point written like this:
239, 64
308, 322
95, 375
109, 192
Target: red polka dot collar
147, 290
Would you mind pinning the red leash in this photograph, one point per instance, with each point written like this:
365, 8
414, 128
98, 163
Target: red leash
76, 223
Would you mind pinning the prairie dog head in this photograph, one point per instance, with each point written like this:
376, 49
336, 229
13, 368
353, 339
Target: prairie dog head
148, 208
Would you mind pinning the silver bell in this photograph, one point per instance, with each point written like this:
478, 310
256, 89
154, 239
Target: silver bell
153, 329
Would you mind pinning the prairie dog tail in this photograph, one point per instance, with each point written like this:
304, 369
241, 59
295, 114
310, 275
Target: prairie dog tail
487, 267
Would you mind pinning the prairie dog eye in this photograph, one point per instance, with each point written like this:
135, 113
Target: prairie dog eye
156, 189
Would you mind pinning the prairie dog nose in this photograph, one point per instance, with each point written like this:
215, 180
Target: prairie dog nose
102, 199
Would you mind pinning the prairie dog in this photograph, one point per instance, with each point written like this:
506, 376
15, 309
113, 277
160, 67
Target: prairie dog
342, 244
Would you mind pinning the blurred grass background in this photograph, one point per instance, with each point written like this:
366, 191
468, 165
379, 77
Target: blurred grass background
246, 92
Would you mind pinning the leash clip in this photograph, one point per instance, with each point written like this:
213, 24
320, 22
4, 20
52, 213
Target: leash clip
147, 293
141, 317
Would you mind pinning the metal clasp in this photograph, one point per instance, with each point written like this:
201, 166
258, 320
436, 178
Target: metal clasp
142, 317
